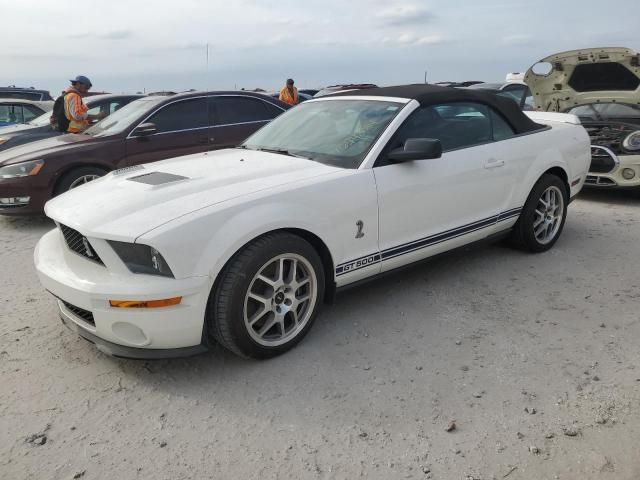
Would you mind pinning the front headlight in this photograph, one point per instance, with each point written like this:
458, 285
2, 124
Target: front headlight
632, 142
141, 258
25, 169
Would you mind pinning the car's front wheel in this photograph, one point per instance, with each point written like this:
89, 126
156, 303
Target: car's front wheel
77, 177
543, 215
267, 297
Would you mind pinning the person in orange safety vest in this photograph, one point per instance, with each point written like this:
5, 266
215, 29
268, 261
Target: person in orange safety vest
74, 108
289, 94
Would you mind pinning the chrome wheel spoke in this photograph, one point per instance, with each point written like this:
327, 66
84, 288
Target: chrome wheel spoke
267, 326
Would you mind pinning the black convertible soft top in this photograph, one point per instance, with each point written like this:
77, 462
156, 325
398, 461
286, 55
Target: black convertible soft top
427, 95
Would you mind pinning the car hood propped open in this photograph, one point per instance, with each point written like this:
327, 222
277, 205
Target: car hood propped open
580, 77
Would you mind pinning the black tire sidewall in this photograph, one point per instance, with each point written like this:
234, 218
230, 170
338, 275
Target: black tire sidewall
68, 178
528, 213
237, 279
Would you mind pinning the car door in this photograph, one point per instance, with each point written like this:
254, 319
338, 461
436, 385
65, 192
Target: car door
233, 118
429, 206
181, 129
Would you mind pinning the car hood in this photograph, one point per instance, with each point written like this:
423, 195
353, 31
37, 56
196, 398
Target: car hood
19, 127
132, 201
580, 77
36, 150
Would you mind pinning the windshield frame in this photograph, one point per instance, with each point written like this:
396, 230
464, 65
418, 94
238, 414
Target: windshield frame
358, 160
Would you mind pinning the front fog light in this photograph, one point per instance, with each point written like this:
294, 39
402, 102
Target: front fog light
14, 201
628, 173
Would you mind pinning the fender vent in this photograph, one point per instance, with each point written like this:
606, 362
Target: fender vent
157, 178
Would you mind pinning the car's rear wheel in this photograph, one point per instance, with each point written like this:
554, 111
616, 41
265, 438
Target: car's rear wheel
267, 297
77, 177
543, 215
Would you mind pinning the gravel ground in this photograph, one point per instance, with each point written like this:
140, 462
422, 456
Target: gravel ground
487, 364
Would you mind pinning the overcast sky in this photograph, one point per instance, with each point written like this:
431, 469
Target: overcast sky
160, 44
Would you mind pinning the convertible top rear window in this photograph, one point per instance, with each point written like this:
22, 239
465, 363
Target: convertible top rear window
595, 77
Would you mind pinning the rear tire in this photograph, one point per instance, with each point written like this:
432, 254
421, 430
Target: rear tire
77, 177
543, 216
267, 297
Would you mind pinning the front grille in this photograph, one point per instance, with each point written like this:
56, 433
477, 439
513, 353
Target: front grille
599, 181
79, 243
82, 314
609, 135
603, 160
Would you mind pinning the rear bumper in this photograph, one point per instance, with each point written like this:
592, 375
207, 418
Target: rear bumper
83, 289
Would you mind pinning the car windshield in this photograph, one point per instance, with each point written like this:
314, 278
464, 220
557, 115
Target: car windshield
41, 121
122, 119
607, 111
334, 132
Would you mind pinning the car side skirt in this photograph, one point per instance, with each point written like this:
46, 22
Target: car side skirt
493, 238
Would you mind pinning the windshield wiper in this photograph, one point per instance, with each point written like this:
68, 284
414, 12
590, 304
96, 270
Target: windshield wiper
281, 151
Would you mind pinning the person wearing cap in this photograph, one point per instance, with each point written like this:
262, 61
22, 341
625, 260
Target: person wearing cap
74, 108
289, 94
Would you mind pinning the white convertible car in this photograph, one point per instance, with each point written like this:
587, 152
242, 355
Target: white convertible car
242, 246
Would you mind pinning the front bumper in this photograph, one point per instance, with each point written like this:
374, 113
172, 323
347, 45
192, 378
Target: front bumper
614, 179
83, 289
34, 187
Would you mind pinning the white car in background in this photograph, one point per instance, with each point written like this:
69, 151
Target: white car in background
242, 246
602, 87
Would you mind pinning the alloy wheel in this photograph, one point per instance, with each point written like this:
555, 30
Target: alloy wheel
548, 215
82, 180
280, 300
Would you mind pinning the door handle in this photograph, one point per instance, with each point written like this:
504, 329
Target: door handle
493, 163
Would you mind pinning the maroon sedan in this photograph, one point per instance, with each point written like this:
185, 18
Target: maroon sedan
149, 129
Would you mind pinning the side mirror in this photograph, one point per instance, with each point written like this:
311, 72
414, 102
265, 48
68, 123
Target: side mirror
144, 130
417, 149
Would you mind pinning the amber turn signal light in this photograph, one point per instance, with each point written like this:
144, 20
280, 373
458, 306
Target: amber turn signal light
167, 302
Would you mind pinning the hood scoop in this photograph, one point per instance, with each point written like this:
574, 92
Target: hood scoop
157, 178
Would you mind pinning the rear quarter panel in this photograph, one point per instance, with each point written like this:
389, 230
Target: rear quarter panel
561, 145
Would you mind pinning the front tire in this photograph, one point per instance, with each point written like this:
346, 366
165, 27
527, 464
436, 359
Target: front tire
543, 215
268, 296
77, 177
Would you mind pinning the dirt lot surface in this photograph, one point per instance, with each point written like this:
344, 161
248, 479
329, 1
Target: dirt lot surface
531, 361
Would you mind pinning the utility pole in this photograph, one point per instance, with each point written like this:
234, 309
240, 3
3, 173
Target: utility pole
425, 76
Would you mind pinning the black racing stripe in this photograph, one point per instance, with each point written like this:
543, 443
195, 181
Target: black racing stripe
419, 244
510, 214
434, 241
375, 259
416, 245
356, 259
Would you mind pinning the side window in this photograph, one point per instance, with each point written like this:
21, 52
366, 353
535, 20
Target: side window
463, 125
182, 115
514, 91
95, 110
230, 110
114, 106
501, 129
11, 114
29, 114
529, 102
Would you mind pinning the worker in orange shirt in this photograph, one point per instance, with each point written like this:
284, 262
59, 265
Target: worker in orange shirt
289, 94
75, 111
